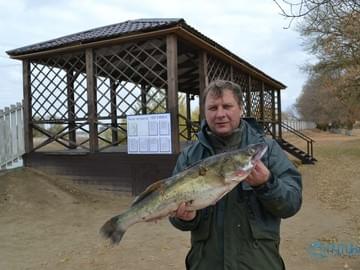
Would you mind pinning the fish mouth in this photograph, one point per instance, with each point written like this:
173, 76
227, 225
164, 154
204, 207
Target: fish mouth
257, 151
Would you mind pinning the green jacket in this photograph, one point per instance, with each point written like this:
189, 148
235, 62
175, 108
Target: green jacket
242, 231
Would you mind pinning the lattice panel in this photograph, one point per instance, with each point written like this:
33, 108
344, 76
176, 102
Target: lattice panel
242, 79
110, 135
128, 97
245, 105
58, 84
188, 72
56, 136
255, 105
268, 111
255, 98
155, 100
217, 69
131, 77
79, 100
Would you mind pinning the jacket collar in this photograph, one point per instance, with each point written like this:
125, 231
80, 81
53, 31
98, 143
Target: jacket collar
251, 132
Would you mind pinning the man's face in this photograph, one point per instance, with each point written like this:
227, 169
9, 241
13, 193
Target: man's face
222, 113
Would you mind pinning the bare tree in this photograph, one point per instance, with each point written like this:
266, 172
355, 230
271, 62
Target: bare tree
320, 103
330, 29
293, 9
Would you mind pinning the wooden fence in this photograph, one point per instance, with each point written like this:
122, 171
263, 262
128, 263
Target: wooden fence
299, 124
11, 135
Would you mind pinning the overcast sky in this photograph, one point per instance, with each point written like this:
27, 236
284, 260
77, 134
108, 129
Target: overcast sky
253, 30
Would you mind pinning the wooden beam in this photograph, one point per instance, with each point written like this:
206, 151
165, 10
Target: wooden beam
143, 99
71, 108
92, 109
28, 131
188, 116
203, 81
248, 97
279, 111
114, 132
172, 93
262, 111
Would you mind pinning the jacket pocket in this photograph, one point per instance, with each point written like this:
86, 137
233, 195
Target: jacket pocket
263, 224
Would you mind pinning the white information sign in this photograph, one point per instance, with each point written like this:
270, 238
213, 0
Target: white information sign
149, 134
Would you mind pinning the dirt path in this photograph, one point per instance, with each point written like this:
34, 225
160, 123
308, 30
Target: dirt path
49, 223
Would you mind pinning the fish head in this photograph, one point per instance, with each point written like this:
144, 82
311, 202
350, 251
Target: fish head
242, 161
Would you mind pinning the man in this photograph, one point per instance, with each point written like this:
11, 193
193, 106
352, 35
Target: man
242, 231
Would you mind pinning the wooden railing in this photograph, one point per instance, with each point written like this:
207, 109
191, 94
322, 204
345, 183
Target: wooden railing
187, 128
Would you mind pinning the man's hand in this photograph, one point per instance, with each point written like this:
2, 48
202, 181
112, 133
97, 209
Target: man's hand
259, 175
183, 213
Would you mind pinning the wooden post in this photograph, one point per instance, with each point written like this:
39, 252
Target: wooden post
28, 132
172, 93
92, 108
262, 111
279, 111
114, 132
188, 117
143, 99
203, 81
248, 98
20, 128
71, 108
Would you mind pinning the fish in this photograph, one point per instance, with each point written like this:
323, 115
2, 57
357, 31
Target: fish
199, 186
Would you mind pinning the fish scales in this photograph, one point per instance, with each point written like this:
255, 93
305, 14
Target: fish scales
199, 186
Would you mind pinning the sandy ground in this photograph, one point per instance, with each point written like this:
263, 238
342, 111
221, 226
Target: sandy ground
50, 223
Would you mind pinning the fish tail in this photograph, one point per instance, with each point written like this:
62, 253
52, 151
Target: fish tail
111, 230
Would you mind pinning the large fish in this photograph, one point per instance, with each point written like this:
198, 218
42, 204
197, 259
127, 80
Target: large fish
199, 186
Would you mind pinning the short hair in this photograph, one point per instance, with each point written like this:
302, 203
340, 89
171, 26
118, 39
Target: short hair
217, 88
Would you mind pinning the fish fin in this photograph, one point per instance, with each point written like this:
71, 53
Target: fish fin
157, 186
110, 230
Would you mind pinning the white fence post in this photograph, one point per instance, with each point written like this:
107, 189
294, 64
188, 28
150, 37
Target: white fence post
11, 135
2, 138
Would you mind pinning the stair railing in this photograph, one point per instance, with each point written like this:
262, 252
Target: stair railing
309, 141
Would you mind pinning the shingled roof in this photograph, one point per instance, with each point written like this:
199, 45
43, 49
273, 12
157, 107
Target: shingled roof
123, 29
100, 33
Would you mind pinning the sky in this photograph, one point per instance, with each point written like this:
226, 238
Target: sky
253, 30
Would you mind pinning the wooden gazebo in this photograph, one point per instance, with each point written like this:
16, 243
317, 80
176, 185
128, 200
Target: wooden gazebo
84, 85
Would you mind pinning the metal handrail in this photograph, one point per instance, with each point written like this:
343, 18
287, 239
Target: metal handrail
295, 131
309, 141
